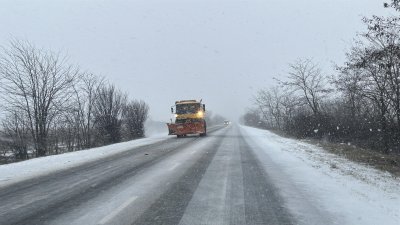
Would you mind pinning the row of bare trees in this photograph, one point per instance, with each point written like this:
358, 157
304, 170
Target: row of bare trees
51, 106
359, 104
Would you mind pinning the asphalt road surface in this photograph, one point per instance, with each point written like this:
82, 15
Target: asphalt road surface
194, 180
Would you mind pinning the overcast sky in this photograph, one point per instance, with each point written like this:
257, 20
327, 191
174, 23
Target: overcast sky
161, 51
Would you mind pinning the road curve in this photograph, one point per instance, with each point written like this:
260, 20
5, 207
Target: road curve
212, 180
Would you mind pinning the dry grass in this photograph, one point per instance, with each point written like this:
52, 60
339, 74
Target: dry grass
388, 163
384, 162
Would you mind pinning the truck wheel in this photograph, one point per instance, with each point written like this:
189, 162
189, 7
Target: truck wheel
178, 136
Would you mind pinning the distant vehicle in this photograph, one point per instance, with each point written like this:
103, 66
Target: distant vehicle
227, 122
189, 118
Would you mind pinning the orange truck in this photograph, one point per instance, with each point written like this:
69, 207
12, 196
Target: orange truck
189, 118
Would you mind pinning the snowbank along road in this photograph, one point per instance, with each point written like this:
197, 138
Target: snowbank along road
235, 175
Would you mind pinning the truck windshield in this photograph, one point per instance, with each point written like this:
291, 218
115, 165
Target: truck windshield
187, 108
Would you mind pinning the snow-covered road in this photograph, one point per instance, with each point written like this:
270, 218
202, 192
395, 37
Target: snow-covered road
235, 175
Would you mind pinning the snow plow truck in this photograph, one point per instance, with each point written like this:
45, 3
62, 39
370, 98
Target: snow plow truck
189, 118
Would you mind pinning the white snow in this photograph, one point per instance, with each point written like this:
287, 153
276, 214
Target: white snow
12, 173
351, 193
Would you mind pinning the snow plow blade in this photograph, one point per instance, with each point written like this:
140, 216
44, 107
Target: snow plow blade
187, 128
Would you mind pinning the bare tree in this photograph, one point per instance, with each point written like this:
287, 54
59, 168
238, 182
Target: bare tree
306, 77
384, 50
375, 86
365, 109
83, 106
108, 111
135, 115
350, 82
15, 129
269, 102
38, 83
277, 106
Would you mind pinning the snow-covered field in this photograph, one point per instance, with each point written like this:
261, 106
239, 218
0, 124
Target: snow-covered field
350, 192
12, 173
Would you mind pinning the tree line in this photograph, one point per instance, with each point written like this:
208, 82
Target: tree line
214, 118
51, 106
360, 103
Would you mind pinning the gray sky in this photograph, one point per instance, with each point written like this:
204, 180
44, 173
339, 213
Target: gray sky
161, 51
